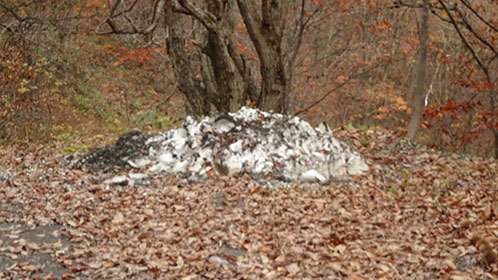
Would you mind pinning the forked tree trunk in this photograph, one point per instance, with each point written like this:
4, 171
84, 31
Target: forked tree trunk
266, 30
209, 67
211, 71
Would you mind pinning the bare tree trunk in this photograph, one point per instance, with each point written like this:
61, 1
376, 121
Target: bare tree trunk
219, 42
226, 80
197, 96
495, 134
266, 30
492, 96
421, 76
209, 67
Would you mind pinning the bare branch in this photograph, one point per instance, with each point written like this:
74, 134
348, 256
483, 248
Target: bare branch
124, 11
442, 18
204, 17
479, 16
157, 10
18, 17
300, 30
464, 40
319, 100
400, 3
11, 11
349, 78
469, 27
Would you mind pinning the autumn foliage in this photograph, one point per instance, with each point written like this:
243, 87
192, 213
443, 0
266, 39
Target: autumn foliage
76, 74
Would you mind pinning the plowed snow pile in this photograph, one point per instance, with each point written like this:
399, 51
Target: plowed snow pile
268, 147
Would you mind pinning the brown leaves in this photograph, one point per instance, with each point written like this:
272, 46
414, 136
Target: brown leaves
413, 214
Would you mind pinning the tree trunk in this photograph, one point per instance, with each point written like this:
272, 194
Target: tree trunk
219, 40
210, 67
226, 80
197, 96
495, 134
266, 31
421, 76
492, 95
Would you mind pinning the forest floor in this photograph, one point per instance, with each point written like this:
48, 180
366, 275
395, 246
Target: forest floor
418, 214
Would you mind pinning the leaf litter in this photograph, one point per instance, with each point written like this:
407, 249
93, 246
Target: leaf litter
412, 217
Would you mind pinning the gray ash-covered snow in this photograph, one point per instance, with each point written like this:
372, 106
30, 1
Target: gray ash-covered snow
265, 146
130, 146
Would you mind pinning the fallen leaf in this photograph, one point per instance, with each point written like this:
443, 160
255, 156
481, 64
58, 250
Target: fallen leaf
118, 218
293, 268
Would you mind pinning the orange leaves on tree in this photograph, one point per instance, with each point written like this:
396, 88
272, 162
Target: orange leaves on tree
413, 40
372, 4
383, 111
397, 105
443, 58
252, 56
478, 85
379, 27
384, 26
141, 56
488, 120
343, 5
449, 118
191, 46
400, 103
242, 48
449, 107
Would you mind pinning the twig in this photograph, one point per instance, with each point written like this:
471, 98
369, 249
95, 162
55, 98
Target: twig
319, 100
479, 16
464, 40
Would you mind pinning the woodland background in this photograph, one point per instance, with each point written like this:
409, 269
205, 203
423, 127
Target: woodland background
62, 79
69, 83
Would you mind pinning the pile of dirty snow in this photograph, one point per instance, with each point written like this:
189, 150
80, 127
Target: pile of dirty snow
268, 147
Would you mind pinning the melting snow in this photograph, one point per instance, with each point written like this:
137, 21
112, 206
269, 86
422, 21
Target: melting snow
263, 145
272, 149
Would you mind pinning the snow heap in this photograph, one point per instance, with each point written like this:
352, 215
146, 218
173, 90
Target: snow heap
266, 146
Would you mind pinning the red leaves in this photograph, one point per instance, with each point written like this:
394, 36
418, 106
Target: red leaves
242, 48
443, 58
477, 85
141, 56
451, 117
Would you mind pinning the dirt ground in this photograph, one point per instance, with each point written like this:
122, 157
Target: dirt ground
28, 248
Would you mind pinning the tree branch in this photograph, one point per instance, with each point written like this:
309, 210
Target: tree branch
124, 11
204, 17
158, 8
479, 16
301, 23
18, 17
319, 100
469, 27
464, 40
398, 4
